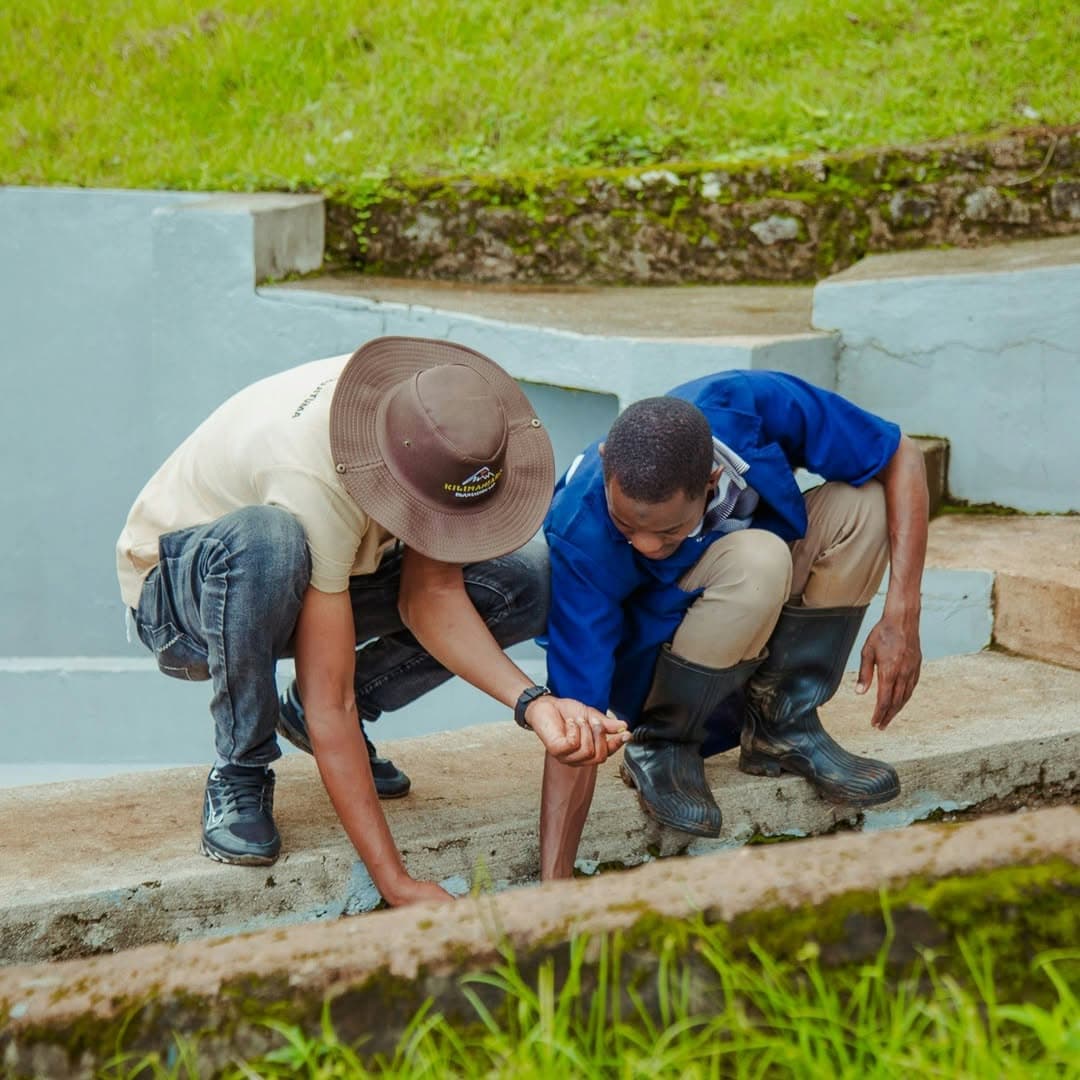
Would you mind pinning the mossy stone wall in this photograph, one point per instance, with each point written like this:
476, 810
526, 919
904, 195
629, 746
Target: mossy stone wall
1018, 911
795, 220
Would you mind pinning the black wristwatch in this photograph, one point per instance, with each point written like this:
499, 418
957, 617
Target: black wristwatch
527, 698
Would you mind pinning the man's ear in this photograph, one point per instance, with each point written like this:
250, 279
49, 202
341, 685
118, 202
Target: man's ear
715, 475
601, 449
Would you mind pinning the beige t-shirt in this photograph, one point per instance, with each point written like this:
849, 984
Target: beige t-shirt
268, 445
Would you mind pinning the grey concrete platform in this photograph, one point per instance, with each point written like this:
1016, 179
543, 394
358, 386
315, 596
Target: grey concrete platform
122, 867
689, 311
374, 972
995, 258
981, 347
1036, 566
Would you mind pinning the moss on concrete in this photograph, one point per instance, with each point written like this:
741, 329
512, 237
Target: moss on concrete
1018, 911
708, 221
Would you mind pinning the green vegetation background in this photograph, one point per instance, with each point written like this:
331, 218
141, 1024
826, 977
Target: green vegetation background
318, 93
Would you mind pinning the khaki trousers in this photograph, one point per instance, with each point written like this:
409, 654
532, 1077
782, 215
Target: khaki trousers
749, 575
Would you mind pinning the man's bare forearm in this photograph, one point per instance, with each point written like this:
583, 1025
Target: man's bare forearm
435, 606
564, 805
907, 515
343, 764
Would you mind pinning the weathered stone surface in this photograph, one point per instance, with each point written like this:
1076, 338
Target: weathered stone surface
1065, 201
1036, 562
66, 1019
987, 204
906, 212
936, 459
978, 728
796, 220
775, 229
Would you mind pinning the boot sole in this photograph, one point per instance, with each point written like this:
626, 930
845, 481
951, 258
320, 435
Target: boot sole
760, 765
628, 779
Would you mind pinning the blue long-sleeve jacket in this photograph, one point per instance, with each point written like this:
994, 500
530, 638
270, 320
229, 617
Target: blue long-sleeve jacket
612, 608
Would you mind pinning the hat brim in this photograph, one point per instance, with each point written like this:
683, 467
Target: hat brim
505, 520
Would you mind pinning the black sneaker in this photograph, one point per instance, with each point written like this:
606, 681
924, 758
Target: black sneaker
390, 781
238, 816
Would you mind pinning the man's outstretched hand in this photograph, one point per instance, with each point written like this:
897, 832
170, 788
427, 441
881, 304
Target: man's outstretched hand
573, 733
409, 890
893, 650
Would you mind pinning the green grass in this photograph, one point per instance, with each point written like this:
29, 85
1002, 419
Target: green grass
315, 93
704, 1013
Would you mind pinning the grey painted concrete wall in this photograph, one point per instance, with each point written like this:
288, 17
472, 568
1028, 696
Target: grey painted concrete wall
125, 317
75, 348
982, 348
129, 316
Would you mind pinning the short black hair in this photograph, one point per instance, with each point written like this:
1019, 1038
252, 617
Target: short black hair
657, 447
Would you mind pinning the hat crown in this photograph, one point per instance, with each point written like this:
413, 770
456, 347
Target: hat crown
444, 432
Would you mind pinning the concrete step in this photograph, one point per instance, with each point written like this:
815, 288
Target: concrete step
985, 729
978, 347
770, 326
657, 311
1035, 563
631, 342
374, 973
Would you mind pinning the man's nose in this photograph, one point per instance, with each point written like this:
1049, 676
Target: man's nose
646, 543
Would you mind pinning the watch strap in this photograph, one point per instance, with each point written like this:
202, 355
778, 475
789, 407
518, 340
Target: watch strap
528, 696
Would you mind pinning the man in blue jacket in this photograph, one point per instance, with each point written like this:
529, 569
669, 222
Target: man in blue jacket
700, 596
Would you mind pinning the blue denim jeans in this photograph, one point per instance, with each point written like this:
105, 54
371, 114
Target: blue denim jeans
222, 604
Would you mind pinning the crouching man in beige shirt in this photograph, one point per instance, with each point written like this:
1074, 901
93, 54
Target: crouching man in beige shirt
362, 514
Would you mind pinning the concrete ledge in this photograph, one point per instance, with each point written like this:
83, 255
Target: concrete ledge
977, 347
980, 728
1036, 567
715, 221
288, 230
63, 1019
655, 311
584, 345
957, 616
936, 458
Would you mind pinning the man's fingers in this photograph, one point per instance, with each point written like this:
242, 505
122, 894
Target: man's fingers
883, 700
866, 670
585, 736
901, 696
563, 743
600, 748
585, 733
887, 700
612, 725
893, 694
596, 746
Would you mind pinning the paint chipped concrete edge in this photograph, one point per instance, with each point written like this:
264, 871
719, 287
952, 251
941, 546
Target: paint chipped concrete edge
185, 988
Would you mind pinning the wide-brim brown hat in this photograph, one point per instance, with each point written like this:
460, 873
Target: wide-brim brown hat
440, 446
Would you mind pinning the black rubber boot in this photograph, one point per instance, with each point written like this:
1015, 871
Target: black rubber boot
782, 733
663, 759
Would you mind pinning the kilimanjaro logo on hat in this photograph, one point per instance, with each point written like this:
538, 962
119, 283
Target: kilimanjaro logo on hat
480, 483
